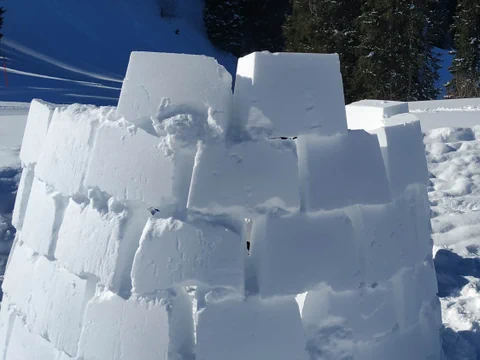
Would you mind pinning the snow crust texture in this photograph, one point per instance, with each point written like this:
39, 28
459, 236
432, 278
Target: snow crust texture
173, 228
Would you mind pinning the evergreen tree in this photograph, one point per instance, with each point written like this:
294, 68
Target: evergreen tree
225, 24
2, 11
326, 26
466, 63
396, 61
244, 26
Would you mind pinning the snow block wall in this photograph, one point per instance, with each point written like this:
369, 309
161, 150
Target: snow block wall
193, 223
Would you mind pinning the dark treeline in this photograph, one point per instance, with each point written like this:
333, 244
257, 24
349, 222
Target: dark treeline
387, 47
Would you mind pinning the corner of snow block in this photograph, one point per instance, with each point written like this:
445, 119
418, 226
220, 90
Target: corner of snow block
105, 237
293, 93
136, 328
341, 170
23, 194
162, 85
26, 345
66, 153
298, 252
403, 151
174, 254
257, 329
366, 312
43, 216
373, 114
386, 238
245, 175
38, 121
131, 164
414, 287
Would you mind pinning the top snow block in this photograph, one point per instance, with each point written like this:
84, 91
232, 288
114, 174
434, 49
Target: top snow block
157, 82
372, 114
39, 118
290, 94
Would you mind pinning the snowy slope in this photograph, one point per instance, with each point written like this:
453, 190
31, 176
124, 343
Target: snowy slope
67, 51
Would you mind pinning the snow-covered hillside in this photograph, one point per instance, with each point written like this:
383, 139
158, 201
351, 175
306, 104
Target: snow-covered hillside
67, 51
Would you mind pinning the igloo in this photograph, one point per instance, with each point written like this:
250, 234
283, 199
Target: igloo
133, 222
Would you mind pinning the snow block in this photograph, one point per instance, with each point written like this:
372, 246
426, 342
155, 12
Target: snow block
386, 239
366, 313
415, 287
245, 175
197, 84
38, 121
403, 152
131, 164
373, 114
257, 330
341, 170
23, 194
105, 235
67, 149
136, 329
7, 319
173, 253
297, 252
43, 217
24, 345
289, 94
51, 300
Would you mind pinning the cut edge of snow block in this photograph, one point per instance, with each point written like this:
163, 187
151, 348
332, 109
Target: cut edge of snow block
243, 176
38, 121
295, 253
287, 94
131, 164
137, 328
23, 194
159, 85
106, 233
341, 170
257, 329
66, 154
174, 254
372, 114
403, 151
43, 217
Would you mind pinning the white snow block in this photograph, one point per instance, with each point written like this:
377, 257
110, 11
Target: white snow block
105, 235
136, 329
51, 299
257, 330
38, 121
67, 149
131, 164
196, 84
23, 194
7, 319
373, 114
288, 94
173, 253
341, 170
366, 313
25, 345
386, 239
415, 287
403, 152
43, 217
298, 252
418, 205
245, 175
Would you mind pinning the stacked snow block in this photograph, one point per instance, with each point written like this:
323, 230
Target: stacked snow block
187, 222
